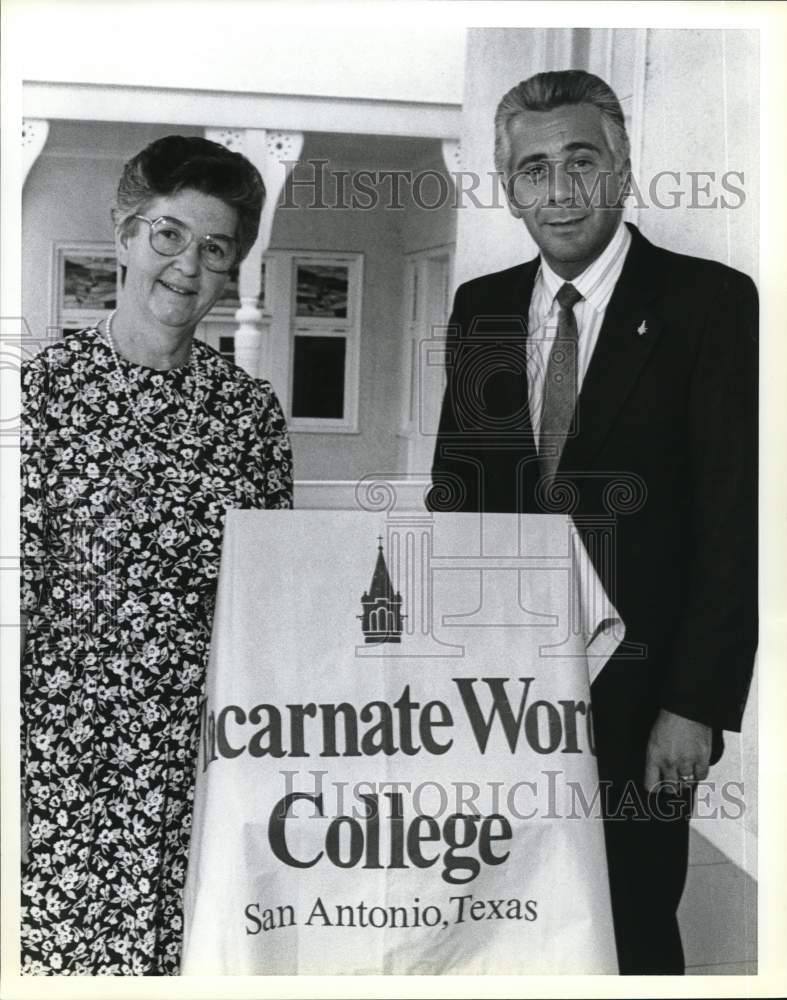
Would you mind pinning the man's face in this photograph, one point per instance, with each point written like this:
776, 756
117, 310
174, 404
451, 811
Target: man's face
564, 185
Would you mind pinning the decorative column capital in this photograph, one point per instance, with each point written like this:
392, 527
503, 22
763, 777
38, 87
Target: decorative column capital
284, 147
273, 153
233, 139
452, 158
266, 148
34, 135
452, 155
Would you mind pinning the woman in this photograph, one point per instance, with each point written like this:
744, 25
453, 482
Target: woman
136, 439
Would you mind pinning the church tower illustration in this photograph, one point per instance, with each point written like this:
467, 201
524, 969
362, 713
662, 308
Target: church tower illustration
381, 620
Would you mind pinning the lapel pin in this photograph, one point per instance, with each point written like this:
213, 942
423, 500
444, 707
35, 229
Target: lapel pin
642, 328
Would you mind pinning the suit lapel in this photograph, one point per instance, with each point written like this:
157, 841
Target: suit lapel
628, 335
520, 306
522, 289
505, 320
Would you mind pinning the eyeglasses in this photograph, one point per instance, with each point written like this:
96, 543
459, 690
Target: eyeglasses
170, 237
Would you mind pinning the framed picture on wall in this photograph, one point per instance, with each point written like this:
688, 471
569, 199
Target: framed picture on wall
321, 290
84, 283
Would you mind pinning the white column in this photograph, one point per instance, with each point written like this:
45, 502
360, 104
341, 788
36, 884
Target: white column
34, 133
488, 238
273, 154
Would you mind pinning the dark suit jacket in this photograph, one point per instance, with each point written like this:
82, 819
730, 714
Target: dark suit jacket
665, 447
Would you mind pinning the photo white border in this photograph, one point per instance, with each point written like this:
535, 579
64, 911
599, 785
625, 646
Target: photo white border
772, 977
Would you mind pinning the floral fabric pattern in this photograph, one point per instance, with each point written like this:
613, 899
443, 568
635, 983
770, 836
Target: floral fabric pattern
122, 518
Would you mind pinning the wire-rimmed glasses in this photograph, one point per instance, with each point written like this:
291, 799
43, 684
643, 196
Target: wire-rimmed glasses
170, 237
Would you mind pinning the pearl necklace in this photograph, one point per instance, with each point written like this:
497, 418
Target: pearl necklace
194, 404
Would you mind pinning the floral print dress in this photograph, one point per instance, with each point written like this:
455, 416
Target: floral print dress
121, 536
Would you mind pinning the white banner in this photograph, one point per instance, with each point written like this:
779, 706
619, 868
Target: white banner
396, 771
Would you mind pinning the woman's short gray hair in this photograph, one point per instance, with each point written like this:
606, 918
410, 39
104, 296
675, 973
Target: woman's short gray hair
546, 91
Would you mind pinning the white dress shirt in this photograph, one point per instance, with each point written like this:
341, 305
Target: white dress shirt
595, 284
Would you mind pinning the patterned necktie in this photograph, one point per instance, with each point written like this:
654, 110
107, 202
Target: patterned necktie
560, 385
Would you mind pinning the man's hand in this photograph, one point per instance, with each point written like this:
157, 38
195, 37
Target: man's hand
678, 750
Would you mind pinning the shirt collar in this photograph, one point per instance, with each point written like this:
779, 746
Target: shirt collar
596, 283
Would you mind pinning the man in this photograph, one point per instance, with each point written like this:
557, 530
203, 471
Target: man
609, 364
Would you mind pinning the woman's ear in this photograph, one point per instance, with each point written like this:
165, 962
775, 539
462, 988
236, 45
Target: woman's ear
121, 245
124, 228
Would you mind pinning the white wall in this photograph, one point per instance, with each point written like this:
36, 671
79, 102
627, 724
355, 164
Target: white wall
427, 227
246, 46
489, 238
708, 81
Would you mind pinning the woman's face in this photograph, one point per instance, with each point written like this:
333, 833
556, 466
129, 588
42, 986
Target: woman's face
174, 292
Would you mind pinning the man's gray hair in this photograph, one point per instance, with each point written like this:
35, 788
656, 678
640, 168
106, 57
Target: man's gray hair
546, 91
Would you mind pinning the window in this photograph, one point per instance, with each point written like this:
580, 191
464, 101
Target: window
227, 348
325, 315
318, 377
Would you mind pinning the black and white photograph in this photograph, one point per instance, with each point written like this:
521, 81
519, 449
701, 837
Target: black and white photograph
393, 550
